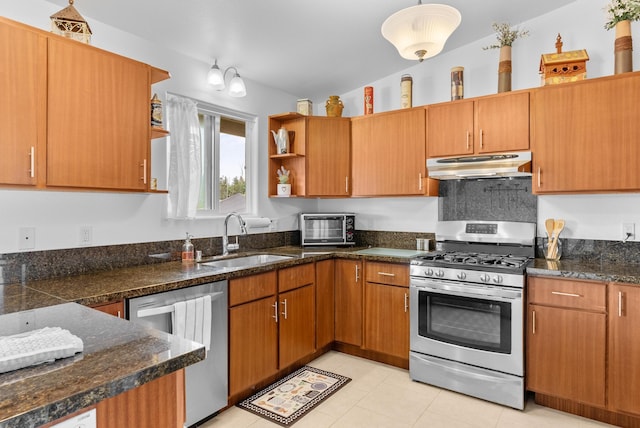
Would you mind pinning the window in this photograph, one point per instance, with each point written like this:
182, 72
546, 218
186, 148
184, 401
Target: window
226, 148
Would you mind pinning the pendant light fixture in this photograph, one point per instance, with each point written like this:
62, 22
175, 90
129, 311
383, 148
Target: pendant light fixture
420, 32
216, 78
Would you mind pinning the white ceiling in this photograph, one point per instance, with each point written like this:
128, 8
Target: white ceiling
310, 49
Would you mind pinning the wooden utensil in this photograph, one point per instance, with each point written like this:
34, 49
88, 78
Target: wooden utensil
549, 224
557, 228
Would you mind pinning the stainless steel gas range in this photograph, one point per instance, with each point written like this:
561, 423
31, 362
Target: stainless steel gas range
467, 309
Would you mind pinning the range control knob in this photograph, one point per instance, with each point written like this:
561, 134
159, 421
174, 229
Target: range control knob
429, 272
497, 279
440, 273
461, 275
485, 277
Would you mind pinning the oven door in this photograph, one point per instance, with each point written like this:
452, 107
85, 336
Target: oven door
475, 324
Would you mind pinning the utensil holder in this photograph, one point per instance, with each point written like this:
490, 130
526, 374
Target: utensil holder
554, 254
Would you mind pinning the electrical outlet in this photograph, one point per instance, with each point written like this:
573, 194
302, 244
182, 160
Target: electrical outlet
27, 238
86, 233
628, 231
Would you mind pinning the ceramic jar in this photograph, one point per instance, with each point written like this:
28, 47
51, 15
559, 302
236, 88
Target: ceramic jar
334, 106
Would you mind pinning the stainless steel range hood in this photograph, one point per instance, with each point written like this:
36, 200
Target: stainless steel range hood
516, 164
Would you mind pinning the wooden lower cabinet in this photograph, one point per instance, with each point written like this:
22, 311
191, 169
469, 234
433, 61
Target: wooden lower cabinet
325, 323
566, 339
271, 324
348, 301
114, 308
386, 309
624, 349
386, 319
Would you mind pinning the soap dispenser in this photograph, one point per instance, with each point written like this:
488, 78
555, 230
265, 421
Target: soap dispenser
187, 250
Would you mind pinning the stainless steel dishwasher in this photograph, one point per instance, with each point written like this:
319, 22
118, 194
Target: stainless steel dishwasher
206, 382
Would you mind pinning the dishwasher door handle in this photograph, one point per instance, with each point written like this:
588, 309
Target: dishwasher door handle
149, 312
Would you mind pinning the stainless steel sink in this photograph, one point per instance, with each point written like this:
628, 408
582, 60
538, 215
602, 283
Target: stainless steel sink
237, 263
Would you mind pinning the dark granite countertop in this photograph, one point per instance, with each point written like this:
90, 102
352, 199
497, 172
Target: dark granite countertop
577, 269
118, 356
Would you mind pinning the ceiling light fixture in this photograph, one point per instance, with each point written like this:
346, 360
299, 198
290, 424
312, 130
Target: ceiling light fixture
420, 32
216, 78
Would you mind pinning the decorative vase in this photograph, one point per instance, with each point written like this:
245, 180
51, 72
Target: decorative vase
334, 106
284, 189
623, 48
504, 69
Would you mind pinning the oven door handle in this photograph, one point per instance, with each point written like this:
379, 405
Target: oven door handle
466, 290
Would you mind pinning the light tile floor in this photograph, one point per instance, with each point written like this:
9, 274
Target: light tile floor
384, 396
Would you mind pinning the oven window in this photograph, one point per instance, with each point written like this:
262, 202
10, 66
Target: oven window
464, 321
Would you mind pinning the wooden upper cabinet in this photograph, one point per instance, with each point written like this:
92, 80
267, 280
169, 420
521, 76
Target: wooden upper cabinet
319, 159
388, 151
493, 124
585, 136
450, 129
23, 55
98, 118
328, 157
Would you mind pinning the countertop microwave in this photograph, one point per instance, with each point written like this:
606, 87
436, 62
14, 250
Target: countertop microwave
327, 229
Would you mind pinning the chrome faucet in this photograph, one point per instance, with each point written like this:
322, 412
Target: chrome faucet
226, 247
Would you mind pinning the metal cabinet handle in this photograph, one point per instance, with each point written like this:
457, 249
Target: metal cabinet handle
386, 274
346, 185
481, 139
406, 302
119, 314
620, 297
539, 172
275, 311
468, 133
32, 162
420, 181
533, 321
357, 273
144, 171
560, 293
284, 313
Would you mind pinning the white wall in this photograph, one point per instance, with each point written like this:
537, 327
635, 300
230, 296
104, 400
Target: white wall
581, 25
118, 218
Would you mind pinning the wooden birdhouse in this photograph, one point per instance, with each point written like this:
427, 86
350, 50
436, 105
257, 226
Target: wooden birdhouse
561, 67
70, 24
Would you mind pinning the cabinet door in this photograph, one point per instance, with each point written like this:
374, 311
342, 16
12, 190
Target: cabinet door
392, 161
114, 308
503, 123
328, 156
450, 129
624, 348
253, 344
348, 303
98, 118
386, 321
325, 324
585, 136
566, 354
23, 56
297, 324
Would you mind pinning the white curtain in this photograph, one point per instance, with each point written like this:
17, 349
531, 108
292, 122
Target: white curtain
184, 157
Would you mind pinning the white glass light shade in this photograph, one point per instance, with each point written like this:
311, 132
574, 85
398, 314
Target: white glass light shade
237, 87
420, 32
215, 77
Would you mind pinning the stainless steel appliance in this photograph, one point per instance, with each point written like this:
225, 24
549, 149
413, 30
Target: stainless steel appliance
467, 309
206, 382
516, 164
327, 229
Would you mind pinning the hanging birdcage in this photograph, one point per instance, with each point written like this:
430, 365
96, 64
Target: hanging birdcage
70, 24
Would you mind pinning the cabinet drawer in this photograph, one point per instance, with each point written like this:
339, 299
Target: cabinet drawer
590, 295
297, 276
249, 288
387, 273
